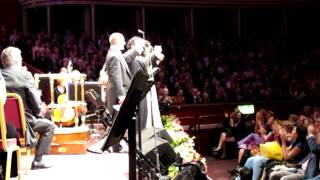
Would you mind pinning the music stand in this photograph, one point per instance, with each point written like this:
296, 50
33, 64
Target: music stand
125, 119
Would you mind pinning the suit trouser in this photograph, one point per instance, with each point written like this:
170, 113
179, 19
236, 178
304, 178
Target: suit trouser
286, 175
46, 129
315, 178
312, 167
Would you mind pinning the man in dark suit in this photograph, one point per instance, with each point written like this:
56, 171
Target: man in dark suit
118, 70
119, 73
149, 114
312, 159
20, 81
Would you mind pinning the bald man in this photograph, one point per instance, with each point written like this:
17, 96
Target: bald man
118, 70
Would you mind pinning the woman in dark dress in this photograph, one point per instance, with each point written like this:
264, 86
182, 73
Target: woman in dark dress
232, 127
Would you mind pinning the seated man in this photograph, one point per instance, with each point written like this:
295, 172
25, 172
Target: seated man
20, 81
312, 159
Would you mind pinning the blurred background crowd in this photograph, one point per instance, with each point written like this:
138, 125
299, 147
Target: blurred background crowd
203, 69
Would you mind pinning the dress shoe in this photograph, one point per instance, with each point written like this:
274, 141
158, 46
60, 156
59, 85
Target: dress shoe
116, 148
245, 172
39, 165
216, 152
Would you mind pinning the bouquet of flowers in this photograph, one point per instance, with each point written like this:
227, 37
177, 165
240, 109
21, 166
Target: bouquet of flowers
182, 143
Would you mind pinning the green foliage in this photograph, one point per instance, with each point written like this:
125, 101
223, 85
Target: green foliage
182, 143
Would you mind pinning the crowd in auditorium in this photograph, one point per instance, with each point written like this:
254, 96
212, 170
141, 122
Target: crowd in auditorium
298, 136
203, 69
211, 69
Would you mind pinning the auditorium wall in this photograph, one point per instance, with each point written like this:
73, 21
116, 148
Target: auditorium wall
9, 14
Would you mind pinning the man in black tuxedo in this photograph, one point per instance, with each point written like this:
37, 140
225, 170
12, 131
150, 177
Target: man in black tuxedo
118, 70
119, 73
19, 80
149, 114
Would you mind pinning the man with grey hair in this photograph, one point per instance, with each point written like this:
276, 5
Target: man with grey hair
118, 70
19, 80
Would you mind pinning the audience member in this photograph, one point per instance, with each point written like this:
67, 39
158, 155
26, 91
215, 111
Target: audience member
21, 81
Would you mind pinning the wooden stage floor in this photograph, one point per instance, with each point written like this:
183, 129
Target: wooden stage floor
81, 167
113, 166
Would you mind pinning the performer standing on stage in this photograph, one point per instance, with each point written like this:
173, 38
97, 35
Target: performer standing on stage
117, 69
119, 73
21, 81
149, 113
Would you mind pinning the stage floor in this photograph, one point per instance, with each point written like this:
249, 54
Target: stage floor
113, 166
81, 167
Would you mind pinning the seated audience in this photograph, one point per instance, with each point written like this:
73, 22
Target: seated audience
292, 153
249, 144
233, 130
226, 70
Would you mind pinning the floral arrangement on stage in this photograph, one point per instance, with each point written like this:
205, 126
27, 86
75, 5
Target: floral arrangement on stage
182, 143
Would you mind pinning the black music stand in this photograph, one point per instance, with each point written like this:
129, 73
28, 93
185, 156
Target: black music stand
126, 119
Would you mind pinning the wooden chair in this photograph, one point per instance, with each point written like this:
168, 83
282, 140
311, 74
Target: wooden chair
8, 145
14, 112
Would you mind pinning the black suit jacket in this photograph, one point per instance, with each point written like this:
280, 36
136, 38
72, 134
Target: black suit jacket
313, 146
22, 82
119, 75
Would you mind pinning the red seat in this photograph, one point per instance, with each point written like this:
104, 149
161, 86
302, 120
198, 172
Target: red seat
13, 115
14, 112
8, 145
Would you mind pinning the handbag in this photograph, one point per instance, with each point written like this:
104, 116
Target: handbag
271, 150
31, 138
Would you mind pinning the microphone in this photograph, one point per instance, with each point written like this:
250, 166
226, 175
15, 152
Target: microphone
142, 32
69, 66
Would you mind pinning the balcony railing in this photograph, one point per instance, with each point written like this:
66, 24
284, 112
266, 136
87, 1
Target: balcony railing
178, 3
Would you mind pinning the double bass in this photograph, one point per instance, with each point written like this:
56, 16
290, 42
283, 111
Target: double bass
65, 112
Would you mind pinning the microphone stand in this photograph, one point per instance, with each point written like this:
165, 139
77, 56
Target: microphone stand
155, 133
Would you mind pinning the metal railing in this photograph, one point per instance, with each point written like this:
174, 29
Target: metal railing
176, 3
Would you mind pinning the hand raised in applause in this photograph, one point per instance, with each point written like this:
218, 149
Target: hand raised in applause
139, 45
311, 130
283, 135
158, 53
